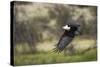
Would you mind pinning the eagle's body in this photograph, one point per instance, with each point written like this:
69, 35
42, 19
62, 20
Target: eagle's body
70, 30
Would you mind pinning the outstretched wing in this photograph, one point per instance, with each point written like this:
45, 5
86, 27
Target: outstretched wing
64, 41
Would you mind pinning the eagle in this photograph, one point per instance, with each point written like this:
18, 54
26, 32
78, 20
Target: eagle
70, 31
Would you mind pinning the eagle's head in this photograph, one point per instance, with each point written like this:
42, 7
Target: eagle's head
70, 26
75, 28
66, 27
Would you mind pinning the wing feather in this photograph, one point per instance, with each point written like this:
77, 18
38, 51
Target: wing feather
62, 44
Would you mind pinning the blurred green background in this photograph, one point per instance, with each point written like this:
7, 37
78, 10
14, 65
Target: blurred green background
38, 27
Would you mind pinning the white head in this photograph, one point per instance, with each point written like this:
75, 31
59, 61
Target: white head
66, 27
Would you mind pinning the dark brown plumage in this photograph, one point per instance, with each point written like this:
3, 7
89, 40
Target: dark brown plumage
67, 37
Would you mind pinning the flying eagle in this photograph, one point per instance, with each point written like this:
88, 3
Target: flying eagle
70, 31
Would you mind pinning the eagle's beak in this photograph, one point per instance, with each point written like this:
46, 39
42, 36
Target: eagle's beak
66, 27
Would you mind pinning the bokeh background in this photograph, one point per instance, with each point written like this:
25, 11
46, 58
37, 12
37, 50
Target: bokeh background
38, 27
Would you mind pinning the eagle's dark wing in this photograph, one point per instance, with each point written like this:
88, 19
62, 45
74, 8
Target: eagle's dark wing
64, 41
78, 31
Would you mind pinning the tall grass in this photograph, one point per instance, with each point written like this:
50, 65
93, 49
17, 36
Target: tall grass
51, 58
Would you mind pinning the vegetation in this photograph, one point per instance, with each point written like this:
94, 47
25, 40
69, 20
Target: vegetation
44, 56
38, 27
51, 58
